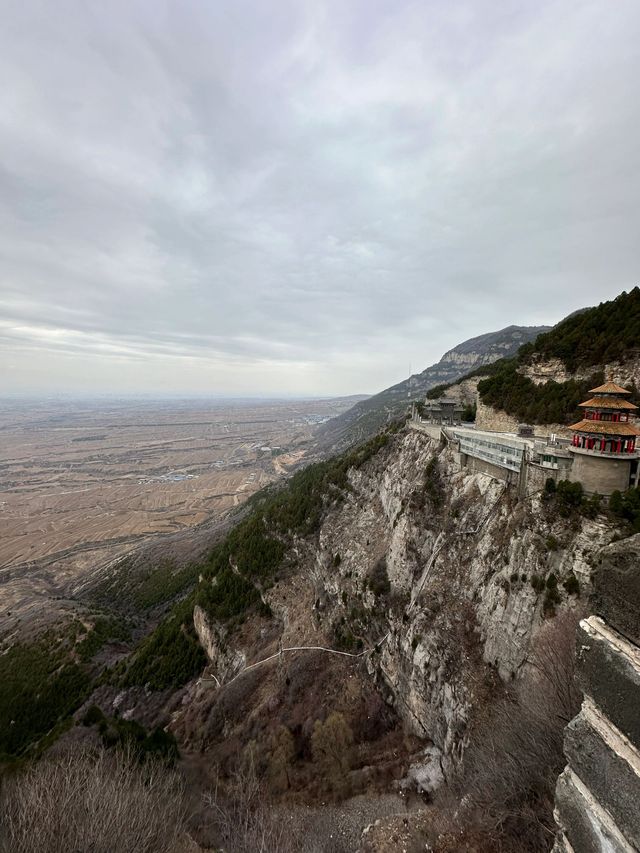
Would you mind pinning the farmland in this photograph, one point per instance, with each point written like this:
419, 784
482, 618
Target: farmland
83, 483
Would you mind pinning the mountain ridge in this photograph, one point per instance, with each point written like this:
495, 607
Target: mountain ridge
367, 417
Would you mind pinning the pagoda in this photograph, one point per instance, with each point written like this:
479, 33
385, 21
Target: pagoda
606, 427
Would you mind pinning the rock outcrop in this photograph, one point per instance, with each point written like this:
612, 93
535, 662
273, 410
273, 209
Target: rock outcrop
465, 560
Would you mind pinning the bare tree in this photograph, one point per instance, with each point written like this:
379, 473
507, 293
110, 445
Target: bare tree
503, 799
552, 660
244, 819
281, 752
93, 801
331, 745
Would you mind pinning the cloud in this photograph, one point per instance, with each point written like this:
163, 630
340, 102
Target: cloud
305, 197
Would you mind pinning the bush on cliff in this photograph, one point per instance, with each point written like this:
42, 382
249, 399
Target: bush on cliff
626, 505
92, 801
548, 403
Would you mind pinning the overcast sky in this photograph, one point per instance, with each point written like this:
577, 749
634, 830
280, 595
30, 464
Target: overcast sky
305, 197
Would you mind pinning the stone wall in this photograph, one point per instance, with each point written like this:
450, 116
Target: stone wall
495, 420
537, 476
600, 474
598, 793
480, 466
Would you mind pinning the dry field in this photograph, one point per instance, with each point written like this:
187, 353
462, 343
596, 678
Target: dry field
84, 483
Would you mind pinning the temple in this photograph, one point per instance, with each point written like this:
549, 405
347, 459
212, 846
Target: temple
603, 445
603, 453
443, 411
606, 427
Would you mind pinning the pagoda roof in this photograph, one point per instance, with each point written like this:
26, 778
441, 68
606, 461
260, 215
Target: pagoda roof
609, 388
605, 428
604, 402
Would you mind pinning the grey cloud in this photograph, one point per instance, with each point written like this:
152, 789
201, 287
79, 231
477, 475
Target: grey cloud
305, 196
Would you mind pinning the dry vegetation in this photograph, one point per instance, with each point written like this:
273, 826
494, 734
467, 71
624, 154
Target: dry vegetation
99, 802
503, 799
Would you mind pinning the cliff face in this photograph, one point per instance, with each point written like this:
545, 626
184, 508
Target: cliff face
554, 370
460, 552
459, 611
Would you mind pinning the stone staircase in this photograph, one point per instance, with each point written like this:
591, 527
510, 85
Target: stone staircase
598, 794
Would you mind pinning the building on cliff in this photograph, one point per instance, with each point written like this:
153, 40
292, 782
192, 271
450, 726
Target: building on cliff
604, 441
603, 454
443, 411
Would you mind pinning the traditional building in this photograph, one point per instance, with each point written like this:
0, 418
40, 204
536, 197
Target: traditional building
604, 441
443, 411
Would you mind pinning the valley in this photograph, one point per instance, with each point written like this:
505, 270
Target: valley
82, 483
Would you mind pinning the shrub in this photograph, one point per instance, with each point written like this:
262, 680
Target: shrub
572, 585
433, 488
627, 506
538, 583
568, 496
551, 598
591, 506
109, 802
331, 744
379, 578
93, 716
469, 413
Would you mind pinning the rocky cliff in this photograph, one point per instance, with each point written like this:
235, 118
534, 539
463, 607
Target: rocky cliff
438, 576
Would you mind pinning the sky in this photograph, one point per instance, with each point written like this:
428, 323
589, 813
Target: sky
314, 197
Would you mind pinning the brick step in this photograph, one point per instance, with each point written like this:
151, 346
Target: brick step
584, 823
608, 764
609, 673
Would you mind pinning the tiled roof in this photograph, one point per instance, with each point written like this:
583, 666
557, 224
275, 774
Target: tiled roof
605, 428
609, 388
604, 402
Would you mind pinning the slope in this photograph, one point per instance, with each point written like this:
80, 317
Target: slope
367, 417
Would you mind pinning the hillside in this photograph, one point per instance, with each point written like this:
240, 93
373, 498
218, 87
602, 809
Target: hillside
549, 376
417, 592
367, 417
609, 332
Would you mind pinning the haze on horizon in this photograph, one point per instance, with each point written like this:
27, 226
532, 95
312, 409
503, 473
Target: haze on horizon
304, 198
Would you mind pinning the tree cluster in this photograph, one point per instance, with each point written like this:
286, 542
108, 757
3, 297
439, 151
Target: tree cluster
548, 403
626, 505
598, 335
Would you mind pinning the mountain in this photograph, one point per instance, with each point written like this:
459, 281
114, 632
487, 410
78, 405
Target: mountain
367, 417
551, 375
